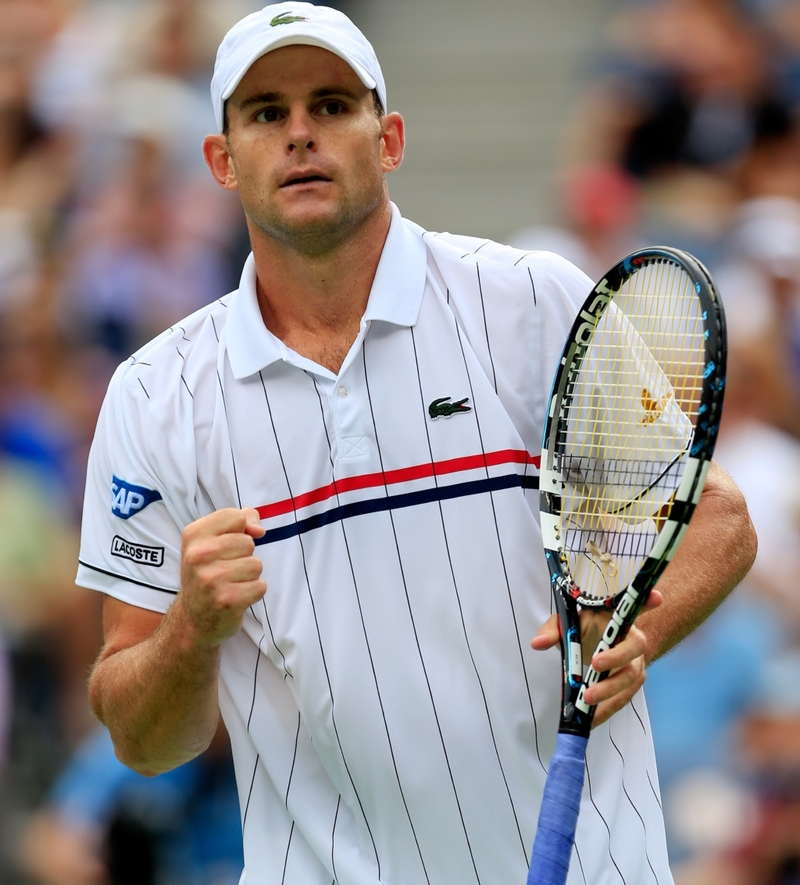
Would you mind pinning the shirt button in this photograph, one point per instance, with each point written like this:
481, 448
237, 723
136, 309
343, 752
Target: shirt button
342, 391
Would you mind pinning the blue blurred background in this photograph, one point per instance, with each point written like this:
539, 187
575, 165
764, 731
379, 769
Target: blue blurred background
587, 127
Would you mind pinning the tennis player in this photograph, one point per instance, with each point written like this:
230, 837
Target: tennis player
312, 505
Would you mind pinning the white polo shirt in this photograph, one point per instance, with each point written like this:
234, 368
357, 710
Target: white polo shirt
389, 721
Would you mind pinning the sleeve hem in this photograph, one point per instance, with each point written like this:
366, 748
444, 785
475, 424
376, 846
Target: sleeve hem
125, 588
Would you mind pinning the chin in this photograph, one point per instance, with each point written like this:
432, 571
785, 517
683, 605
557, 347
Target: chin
316, 229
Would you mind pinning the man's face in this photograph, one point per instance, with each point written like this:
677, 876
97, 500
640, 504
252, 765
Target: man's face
307, 149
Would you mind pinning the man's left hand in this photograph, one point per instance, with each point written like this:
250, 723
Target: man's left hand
626, 662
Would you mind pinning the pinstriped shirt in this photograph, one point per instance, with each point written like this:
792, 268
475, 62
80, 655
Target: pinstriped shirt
389, 721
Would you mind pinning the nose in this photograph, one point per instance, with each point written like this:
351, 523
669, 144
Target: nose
299, 132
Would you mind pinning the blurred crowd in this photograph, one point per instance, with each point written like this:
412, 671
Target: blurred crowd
111, 229
689, 136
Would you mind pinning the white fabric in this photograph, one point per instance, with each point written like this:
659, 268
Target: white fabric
389, 721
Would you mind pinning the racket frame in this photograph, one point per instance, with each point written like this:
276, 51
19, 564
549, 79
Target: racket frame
576, 716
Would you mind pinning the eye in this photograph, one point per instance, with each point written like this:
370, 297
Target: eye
268, 115
331, 108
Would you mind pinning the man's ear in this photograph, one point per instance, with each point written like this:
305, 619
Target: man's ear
218, 160
393, 141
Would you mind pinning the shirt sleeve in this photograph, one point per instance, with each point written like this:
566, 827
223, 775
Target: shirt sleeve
131, 529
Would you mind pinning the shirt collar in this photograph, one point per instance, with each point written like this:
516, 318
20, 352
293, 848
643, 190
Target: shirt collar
395, 297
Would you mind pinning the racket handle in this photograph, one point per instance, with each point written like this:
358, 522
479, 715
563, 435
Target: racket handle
558, 815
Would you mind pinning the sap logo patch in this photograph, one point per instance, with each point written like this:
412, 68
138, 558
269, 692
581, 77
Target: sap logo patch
140, 553
128, 499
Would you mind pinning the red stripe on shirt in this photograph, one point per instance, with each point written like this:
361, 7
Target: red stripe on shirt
391, 477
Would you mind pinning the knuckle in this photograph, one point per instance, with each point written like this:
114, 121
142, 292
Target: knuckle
198, 550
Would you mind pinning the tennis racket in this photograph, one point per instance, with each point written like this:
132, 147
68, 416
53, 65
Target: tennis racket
633, 417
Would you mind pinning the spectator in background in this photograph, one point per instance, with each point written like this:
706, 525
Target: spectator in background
758, 271
766, 850
712, 701
770, 741
35, 169
146, 251
149, 236
5, 701
689, 86
101, 103
68, 131
103, 824
781, 19
599, 219
50, 626
705, 87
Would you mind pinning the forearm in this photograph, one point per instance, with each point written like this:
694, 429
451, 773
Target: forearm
158, 697
715, 555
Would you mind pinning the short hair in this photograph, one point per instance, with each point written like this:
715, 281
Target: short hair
377, 106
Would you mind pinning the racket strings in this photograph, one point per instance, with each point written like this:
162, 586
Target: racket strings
627, 426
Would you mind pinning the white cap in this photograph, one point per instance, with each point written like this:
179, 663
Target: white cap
287, 24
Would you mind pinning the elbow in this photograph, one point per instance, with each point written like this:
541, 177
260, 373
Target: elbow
130, 759
146, 767
145, 760
737, 533
134, 741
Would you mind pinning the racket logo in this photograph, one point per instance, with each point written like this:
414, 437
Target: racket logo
586, 329
617, 623
591, 314
583, 334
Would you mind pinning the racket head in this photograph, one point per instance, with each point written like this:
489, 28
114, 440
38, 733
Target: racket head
630, 430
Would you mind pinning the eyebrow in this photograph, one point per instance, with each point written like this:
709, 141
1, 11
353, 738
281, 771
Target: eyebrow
277, 97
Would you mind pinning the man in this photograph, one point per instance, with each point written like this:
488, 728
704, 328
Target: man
354, 428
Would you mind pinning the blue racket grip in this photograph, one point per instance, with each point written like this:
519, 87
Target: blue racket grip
558, 815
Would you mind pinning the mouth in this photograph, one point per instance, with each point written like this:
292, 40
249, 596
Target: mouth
307, 178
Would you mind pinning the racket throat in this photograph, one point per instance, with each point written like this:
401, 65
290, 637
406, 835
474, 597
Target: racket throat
616, 630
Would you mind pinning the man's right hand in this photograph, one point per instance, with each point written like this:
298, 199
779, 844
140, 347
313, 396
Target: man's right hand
155, 682
220, 573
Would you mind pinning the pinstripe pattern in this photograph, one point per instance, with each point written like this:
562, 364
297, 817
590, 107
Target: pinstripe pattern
460, 606
375, 680
389, 722
420, 652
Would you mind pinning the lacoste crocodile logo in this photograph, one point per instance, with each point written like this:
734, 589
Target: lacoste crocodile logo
286, 18
443, 408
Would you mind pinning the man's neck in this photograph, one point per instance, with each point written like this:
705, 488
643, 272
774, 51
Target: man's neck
314, 303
